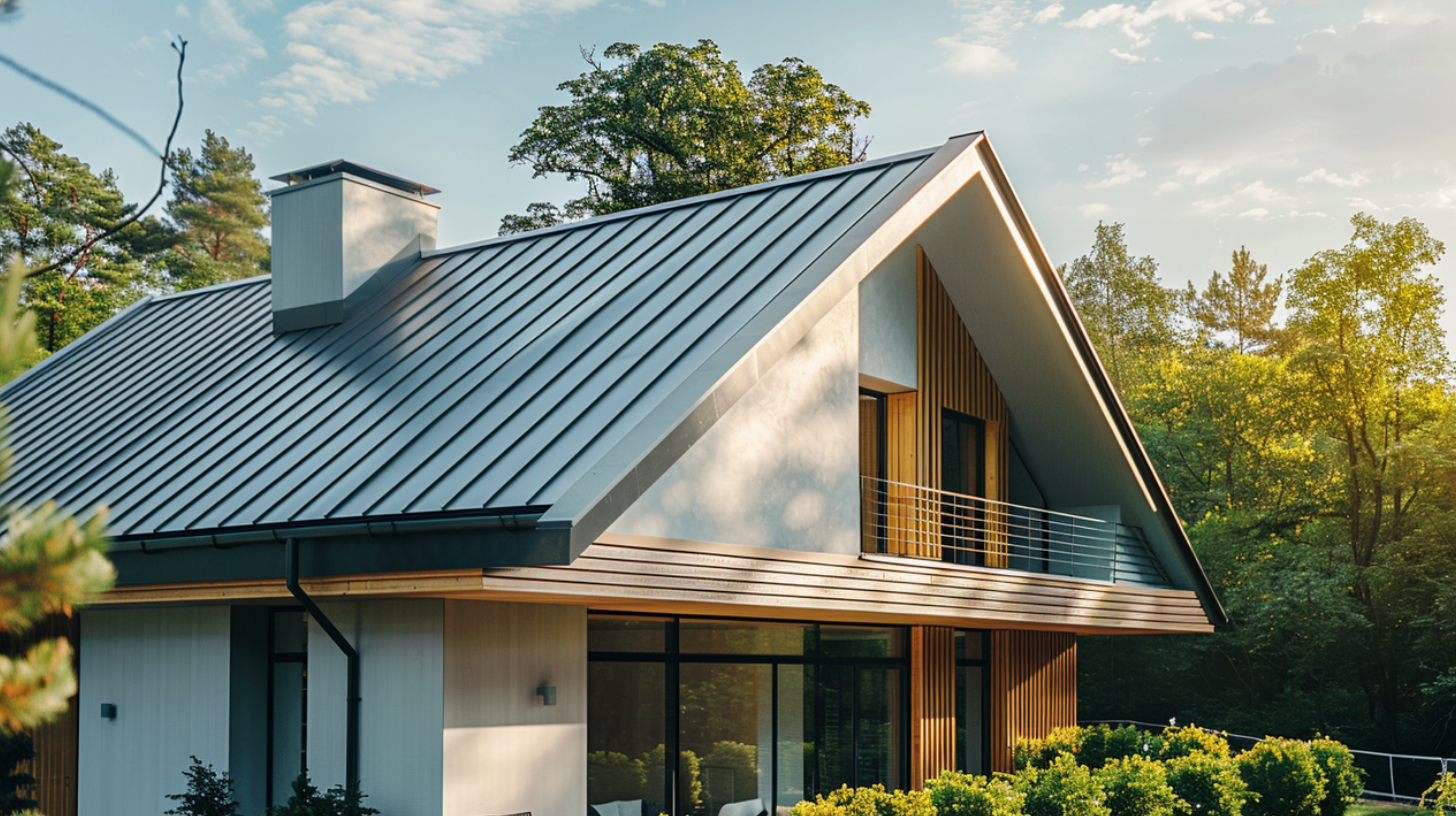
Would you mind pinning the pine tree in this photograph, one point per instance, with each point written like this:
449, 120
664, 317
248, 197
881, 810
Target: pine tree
219, 210
1241, 306
208, 793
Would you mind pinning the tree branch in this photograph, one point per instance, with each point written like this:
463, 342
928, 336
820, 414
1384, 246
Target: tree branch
180, 46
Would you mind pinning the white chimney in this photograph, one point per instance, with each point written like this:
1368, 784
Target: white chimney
341, 233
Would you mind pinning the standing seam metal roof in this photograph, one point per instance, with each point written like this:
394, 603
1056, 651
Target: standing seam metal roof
487, 378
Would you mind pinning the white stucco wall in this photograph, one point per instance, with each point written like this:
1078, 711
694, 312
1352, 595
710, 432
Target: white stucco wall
887, 338
401, 665
781, 468
505, 751
166, 671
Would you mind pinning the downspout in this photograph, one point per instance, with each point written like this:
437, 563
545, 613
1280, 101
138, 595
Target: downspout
351, 730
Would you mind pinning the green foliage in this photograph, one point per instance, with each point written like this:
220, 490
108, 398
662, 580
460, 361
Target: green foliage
1208, 783
1441, 795
15, 750
1240, 307
219, 210
1136, 786
1343, 780
1104, 743
871, 801
1182, 740
1062, 788
208, 793
308, 801
1284, 778
1038, 753
673, 121
957, 794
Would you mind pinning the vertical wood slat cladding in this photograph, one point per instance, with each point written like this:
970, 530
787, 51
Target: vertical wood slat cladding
1033, 688
56, 743
932, 702
952, 375
903, 520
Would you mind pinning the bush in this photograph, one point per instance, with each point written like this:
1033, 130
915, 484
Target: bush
1284, 777
1062, 788
15, 750
1136, 786
1441, 794
872, 801
1038, 753
1180, 741
956, 794
1343, 780
1210, 785
207, 794
307, 801
1102, 743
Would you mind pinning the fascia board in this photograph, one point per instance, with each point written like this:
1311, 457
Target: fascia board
624, 473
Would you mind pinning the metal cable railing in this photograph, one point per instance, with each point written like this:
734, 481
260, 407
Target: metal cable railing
922, 522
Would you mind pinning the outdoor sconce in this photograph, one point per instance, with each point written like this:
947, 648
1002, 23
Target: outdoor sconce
547, 694
108, 711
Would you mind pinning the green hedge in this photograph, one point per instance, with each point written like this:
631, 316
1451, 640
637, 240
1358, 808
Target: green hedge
1104, 771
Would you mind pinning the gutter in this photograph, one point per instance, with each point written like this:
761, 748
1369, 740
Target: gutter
351, 731
281, 533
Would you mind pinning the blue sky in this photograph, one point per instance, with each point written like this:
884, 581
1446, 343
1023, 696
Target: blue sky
1201, 124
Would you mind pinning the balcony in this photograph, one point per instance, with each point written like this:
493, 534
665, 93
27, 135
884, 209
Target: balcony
920, 522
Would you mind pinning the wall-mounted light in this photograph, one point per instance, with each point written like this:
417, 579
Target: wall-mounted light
547, 694
108, 711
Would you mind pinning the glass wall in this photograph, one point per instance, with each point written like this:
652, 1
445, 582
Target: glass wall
972, 703
287, 701
704, 713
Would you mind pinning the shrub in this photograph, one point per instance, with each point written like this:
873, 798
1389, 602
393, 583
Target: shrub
1102, 743
1210, 785
1343, 780
1038, 753
15, 750
956, 794
1182, 740
1441, 794
1136, 786
307, 801
1062, 788
207, 794
872, 801
1285, 778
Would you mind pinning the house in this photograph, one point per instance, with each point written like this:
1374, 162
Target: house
701, 508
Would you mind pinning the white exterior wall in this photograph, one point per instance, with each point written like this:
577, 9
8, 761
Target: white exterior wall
401, 661
887, 317
781, 468
505, 751
167, 673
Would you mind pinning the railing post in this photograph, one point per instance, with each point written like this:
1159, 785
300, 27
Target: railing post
1392, 774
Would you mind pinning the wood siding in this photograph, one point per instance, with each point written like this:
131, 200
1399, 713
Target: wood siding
1033, 688
54, 766
932, 702
648, 574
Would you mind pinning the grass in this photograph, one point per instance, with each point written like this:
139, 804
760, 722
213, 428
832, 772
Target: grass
1367, 808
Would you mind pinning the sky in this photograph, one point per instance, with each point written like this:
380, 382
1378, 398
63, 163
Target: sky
1202, 125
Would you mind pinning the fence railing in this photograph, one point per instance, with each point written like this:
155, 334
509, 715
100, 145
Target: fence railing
921, 522
1393, 777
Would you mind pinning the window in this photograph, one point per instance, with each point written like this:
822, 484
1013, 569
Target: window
872, 458
963, 475
972, 703
287, 701
701, 713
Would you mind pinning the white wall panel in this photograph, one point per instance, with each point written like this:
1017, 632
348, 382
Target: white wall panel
166, 671
505, 750
887, 322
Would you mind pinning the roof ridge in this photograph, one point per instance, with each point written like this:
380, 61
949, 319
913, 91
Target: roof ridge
806, 178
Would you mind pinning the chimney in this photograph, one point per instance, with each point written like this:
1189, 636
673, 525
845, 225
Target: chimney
342, 232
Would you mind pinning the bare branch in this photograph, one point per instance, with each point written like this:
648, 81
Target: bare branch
180, 46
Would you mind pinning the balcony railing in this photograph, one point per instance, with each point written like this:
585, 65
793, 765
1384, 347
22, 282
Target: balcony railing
921, 522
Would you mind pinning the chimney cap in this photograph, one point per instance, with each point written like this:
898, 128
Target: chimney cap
355, 169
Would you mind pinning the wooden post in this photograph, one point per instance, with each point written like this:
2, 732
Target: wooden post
932, 702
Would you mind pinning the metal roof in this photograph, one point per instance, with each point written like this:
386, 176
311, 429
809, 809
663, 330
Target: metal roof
490, 377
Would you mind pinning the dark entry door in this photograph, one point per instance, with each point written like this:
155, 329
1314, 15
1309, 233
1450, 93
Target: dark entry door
962, 476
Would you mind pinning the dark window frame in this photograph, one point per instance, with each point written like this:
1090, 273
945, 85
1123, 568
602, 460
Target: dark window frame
882, 467
275, 657
984, 663
972, 513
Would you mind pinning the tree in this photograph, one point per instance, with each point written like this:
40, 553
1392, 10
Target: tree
1242, 306
219, 211
15, 750
57, 209
674, 121
1123, 305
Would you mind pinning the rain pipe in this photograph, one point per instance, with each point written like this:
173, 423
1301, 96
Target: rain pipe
351, 730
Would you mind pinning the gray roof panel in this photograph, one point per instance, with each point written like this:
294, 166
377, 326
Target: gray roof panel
488, 377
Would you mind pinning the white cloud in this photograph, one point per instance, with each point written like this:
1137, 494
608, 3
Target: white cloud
182, 11
980, 48
1203, 35
1121, 171
344, 51
1169, 186
1260, 191
974, 59
1049, 13
1137, 23
1093, 210
1261, 17
1354, 180
1258, 213
1125, 57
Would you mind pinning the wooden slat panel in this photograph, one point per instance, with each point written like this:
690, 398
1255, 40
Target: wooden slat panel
903, 520
1033, 688
952, 375
932, 702
56, 743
